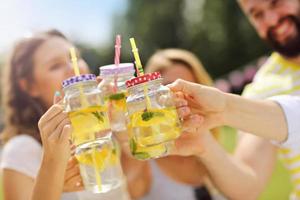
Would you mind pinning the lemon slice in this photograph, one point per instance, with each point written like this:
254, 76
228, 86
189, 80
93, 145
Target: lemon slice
100, 158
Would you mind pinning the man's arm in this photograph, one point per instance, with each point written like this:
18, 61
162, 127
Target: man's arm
260, 117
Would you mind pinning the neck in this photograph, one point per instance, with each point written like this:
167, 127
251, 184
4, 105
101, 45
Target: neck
295, 60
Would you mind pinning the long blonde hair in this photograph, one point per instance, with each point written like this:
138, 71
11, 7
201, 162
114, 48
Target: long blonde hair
164, 59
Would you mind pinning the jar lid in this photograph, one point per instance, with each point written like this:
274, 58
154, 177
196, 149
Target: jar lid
143, 79
122, 68
77, 79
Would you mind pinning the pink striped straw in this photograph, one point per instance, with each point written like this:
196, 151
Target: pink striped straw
117, 60
117, 50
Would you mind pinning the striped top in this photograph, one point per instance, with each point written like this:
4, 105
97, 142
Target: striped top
277, 77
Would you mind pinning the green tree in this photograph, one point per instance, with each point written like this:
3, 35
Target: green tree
216, 31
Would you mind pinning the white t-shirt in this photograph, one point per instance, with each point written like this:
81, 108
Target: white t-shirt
23, 154
291, 108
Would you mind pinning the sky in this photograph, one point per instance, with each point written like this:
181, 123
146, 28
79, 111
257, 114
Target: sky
88, 21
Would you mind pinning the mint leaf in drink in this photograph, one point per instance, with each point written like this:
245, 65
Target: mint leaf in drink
99, 116
114, 151
117, 96
141, 155
132, 146
147, 115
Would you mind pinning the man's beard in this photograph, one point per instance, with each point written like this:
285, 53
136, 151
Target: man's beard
291, 48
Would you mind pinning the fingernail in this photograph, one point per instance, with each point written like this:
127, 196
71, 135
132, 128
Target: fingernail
78, 184
57, 93
184, 110
182, 103
195, 118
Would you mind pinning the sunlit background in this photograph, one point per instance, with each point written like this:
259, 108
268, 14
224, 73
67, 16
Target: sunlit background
215, 30
89, 21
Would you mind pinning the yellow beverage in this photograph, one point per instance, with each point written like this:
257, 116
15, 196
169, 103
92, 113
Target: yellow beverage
118, 101
152, 132
95, 157
145, 153
99, 158
89, 124
99, 165
117, 111
154, 126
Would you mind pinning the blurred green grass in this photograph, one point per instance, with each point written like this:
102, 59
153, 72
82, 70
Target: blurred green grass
279, 186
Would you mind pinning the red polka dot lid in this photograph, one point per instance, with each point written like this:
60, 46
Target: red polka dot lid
143, 79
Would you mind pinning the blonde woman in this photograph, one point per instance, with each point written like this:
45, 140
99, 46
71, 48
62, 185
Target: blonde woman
183, 173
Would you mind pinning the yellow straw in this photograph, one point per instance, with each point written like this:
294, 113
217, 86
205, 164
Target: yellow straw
77, 73
74, 61
140, 70
98, 176
85, 104
136, 57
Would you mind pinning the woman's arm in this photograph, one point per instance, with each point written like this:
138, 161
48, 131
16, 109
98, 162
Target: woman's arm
243, 175
55, 131
50, 180
184, 169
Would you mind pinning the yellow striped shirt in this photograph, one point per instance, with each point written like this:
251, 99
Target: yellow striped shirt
279, 76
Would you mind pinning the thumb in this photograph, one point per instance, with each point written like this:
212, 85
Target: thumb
98, 79
57, 97
182, 86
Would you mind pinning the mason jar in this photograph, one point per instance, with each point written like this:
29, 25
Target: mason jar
114, 90
95, 149
153, 121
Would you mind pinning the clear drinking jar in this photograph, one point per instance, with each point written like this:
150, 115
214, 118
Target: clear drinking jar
95, 150
153, 121
114, 90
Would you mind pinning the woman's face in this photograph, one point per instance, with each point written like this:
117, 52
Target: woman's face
177, 71
52, 65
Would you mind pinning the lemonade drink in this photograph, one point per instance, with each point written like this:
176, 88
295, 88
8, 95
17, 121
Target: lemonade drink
114, 90
99, 158
145, 153
89, 124
152, 131
154, 126
99, 166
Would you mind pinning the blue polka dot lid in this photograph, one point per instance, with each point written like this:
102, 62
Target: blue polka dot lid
78, 79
